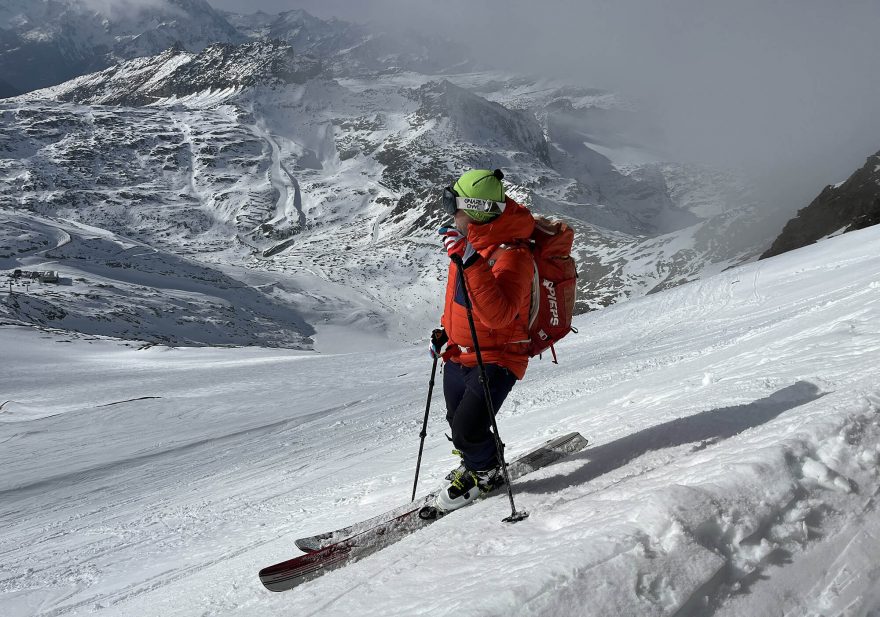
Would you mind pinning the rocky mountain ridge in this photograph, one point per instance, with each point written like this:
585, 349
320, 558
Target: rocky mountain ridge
178, 73
847, 206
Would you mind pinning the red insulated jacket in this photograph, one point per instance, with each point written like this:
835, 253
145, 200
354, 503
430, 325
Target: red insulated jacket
500, 293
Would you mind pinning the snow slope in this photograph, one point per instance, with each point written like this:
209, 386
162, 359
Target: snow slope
733, 473
114, 286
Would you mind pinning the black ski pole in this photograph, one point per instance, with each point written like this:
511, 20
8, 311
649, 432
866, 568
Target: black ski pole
499, 445
424, 432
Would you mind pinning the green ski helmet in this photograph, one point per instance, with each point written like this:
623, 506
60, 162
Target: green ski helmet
480, 194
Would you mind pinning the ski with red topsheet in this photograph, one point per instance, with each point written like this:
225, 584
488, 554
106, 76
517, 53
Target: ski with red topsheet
335, 549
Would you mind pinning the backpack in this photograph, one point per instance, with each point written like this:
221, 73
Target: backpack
554, 285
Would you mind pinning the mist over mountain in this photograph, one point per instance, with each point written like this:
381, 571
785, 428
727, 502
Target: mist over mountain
354, 49
306, 163
776, 90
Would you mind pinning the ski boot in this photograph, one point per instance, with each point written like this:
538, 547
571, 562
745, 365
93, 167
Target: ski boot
464, 488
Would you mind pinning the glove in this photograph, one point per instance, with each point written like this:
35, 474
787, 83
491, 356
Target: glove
456, 243
438, 340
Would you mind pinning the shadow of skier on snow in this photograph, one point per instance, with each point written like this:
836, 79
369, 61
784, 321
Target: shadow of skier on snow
702, 430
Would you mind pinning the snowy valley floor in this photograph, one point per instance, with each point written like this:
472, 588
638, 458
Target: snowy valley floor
733, 471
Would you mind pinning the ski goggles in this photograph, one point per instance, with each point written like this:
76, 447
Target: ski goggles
453, 203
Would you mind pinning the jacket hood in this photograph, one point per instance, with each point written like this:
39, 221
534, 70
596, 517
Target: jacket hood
515, 223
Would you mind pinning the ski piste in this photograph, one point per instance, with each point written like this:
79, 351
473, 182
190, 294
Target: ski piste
347, 545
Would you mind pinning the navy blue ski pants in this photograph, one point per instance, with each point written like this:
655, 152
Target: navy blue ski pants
466, 410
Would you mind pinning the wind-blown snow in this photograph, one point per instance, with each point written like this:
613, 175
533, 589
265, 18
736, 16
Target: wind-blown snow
733, 470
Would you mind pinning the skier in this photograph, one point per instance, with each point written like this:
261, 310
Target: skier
490, 236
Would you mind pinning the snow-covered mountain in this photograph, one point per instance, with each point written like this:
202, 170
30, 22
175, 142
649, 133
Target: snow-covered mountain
45, 42
734, 426
263, 159
846, 206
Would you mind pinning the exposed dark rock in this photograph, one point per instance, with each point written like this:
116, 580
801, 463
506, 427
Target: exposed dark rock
855, 204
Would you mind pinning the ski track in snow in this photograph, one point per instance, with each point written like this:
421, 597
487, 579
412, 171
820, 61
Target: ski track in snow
733, 466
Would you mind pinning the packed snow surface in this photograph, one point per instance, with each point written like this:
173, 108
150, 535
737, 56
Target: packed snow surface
733, 469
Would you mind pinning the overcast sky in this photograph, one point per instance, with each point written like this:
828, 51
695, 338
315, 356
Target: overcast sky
788, 90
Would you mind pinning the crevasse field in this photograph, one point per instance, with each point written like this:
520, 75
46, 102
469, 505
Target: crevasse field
733, 469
